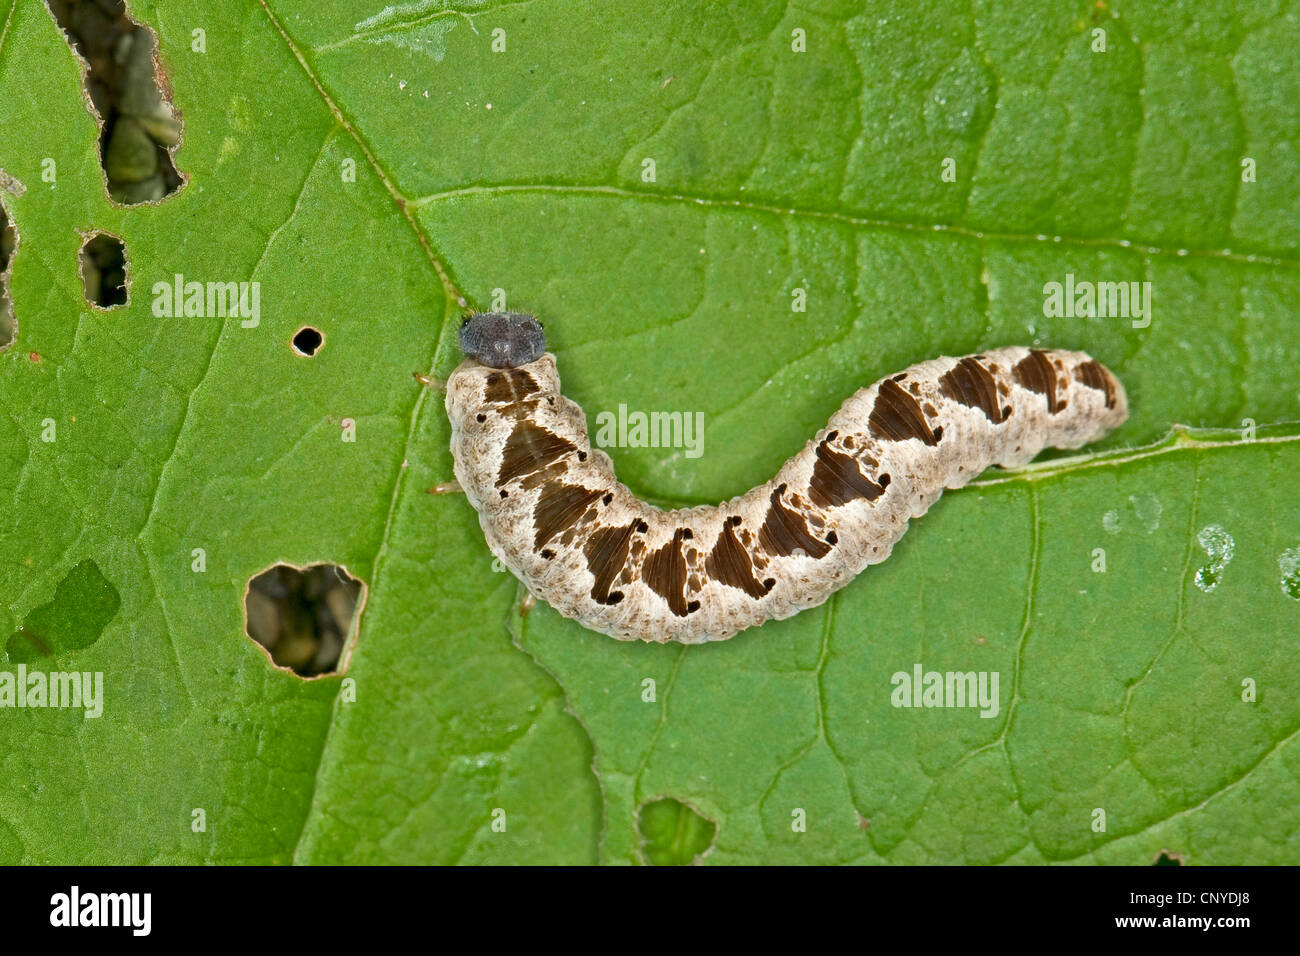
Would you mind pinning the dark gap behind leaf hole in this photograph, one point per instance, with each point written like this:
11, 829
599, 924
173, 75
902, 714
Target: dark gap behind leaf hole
307, 340
302, 617
139, 124
8, 243
103, 270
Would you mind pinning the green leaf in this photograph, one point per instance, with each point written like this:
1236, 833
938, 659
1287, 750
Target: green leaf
463, 732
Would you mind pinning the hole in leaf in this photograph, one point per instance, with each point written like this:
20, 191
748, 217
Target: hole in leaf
307, 340
1167, 859
103, 271
83, 604
8, 245
674, 834
1288, 563
303, 616
139, 127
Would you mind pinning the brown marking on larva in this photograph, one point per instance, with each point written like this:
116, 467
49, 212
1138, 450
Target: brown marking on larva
496, 388
692, 556
837, 480
1093, 374
558, 508
971, 384
729, 563
897, 416
930, 410
783, 531
914, 388
606, 552
1035, 372
530, 448
664, 572
693, 581
508, 386
848, 441
554, 472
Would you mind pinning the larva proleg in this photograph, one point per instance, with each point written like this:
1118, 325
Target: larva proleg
554, 513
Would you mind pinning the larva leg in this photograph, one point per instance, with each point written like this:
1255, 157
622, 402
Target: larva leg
554, 513
437, 384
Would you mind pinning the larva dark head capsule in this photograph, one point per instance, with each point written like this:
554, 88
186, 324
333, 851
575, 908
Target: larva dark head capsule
502, 339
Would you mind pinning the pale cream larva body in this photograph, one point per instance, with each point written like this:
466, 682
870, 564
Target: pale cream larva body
554, 513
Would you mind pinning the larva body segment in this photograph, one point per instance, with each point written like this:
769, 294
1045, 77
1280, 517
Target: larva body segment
554, 513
